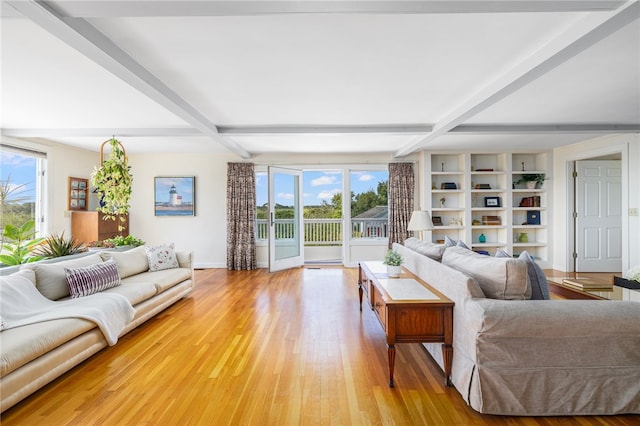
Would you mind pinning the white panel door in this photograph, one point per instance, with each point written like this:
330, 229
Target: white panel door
598, 216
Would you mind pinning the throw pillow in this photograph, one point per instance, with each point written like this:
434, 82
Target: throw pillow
92, 279
498, 278
448, 242
461, 243
161, 257
537, 278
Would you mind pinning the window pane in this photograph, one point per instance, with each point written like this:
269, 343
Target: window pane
19, 187
369, 206
323, 210
262, 206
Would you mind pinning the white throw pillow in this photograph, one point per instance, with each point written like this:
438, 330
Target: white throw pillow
130, 262
161, 257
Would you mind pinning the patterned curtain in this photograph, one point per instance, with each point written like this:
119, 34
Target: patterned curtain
401, 189
241, 215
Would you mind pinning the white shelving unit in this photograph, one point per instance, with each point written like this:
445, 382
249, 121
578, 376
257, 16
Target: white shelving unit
484, 193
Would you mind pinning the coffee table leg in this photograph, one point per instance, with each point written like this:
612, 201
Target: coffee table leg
392, 362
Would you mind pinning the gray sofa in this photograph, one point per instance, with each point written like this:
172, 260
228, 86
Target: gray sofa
531, 357
35, 354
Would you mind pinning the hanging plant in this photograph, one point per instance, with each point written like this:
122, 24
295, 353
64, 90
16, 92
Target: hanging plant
113, 182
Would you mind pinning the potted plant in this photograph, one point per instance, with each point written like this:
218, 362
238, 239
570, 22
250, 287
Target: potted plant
532, 180
113, 182
393, 260
58, 246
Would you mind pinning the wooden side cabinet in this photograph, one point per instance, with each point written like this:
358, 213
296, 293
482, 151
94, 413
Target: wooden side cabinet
91, 226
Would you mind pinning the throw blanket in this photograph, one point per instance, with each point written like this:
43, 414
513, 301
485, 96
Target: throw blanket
22, 304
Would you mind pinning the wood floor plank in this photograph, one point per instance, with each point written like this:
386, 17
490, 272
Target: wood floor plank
254, 348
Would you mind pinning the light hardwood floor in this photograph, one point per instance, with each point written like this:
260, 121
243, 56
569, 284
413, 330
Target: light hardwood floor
253, 348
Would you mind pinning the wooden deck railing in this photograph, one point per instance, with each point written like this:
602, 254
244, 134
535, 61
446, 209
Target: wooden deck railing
324, 231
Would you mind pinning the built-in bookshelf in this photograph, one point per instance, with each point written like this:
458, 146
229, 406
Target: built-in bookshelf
474, 197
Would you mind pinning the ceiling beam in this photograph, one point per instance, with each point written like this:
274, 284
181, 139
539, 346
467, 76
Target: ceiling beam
582, 35
146, 8
82, 36
545, 128
392, 129
101, 132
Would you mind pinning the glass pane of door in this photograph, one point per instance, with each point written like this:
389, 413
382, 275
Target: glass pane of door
285, 210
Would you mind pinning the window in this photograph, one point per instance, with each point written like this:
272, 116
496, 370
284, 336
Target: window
262, 206
22, 186
369, 205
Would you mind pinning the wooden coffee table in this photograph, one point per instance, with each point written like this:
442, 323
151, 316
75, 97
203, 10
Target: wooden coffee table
409, 310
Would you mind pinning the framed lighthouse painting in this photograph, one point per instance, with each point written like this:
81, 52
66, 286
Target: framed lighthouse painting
175, 196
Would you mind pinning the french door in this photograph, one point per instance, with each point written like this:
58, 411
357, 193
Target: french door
286, 242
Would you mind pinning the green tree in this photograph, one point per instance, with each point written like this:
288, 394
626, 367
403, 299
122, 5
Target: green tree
15, 208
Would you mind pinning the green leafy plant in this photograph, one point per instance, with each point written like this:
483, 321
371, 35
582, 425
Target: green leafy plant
113, 182
538, 178
19, 243
392, 258
129, 240
58, 245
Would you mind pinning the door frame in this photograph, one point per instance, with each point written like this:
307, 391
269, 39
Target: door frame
569, 167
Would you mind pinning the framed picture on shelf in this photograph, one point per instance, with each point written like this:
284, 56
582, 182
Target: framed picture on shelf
175, 196
492, 202
436, 220
77, 190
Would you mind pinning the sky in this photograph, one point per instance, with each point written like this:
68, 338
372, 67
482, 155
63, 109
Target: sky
21, 169
318, 186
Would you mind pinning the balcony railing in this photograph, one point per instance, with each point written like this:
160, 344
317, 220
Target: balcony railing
318, 232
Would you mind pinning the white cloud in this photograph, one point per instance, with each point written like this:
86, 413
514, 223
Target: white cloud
324, 180
366, 177
328, 194
285, 196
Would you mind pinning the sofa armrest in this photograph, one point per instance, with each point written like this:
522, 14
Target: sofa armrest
184, 259
555, 333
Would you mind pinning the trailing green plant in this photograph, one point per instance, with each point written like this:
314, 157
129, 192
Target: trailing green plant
392, 258
19, 243
129, 240
58, 245
538, 178
113, 182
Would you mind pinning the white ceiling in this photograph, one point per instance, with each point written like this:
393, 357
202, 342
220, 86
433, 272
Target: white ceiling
254, 77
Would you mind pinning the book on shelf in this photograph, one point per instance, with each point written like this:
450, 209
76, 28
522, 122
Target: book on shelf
587, 284
491, 220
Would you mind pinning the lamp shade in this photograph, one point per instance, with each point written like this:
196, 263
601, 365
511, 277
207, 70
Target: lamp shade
420, 221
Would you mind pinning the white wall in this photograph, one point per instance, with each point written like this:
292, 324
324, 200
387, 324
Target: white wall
628, 145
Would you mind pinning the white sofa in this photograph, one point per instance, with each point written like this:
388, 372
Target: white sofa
532, 357
35, 354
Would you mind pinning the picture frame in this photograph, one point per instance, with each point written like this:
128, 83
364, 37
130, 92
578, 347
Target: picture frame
174, 196
436, 220
492, 202
77, 193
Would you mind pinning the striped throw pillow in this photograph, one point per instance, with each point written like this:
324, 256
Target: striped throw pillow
92, 279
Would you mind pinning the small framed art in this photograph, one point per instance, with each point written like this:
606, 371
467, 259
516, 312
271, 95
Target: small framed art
175, 196
492, 202
77, 190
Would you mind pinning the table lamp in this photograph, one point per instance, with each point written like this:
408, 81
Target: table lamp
420, 221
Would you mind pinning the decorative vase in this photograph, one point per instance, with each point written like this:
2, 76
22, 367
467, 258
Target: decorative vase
524, 238
482, 238
393, 271
531, 184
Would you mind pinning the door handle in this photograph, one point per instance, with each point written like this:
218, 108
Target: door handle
271, 213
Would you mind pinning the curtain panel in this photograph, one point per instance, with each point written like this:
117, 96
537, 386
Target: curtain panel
401, 190
241, 215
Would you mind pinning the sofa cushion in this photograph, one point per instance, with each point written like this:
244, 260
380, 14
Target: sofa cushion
450, 242
162, 280
135, 292
23, 344
130, 262
499, 278
51, 279
426, 248
161, 257
92, 279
